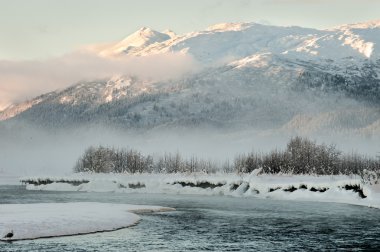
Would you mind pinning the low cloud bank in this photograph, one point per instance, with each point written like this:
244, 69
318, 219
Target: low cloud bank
22, 80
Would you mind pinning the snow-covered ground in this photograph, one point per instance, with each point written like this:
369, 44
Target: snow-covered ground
340, 189
30, 221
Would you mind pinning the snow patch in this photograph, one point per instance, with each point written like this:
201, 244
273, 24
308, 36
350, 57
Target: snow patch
31, 221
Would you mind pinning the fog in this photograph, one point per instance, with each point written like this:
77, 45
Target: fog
23, 80
28, 151
32, 152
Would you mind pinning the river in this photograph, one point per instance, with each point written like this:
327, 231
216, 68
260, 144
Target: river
213, 223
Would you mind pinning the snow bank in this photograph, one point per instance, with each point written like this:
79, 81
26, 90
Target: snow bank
30, 221
341, 189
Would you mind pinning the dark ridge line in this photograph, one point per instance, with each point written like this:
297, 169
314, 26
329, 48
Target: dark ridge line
290, 189
321, 190
203, 185
136, 186
274, 189
49, 181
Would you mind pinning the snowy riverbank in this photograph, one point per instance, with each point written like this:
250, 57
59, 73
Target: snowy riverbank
340, 189
31, 221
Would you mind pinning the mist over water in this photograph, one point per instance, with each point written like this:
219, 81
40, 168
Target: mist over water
30, 151
256, 108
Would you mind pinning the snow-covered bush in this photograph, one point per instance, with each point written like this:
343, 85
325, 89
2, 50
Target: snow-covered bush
104, 160
301, 156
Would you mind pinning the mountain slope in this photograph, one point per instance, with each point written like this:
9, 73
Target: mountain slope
236, 40
254, 76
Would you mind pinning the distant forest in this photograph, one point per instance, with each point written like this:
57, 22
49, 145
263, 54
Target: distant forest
300, 157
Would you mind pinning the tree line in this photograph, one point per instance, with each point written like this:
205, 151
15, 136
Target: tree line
105, 160
301, 156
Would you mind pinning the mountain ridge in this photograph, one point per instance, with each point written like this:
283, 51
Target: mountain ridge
255, 75
290, 38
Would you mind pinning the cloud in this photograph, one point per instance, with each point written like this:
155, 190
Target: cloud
21, 80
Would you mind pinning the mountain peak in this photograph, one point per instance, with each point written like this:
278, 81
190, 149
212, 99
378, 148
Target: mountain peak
143, 37
239, 40
146, 31
144, 28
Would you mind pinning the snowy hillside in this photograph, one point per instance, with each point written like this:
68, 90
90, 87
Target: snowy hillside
224, 41
254, 76
16, 109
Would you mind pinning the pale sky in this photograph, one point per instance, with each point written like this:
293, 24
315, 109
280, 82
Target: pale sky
40, 29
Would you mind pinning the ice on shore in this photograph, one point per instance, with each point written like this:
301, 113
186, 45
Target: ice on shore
338, 188
30, 221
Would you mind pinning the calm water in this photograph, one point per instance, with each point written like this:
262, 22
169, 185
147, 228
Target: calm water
214, 224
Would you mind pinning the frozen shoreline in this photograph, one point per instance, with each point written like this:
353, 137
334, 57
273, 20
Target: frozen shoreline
45, 220
339, 189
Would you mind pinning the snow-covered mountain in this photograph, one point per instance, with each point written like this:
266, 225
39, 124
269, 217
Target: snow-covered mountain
237, 40
138, 40
254, 76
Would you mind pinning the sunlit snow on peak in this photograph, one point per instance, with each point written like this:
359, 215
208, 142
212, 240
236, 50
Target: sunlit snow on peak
143, 37
239, 40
